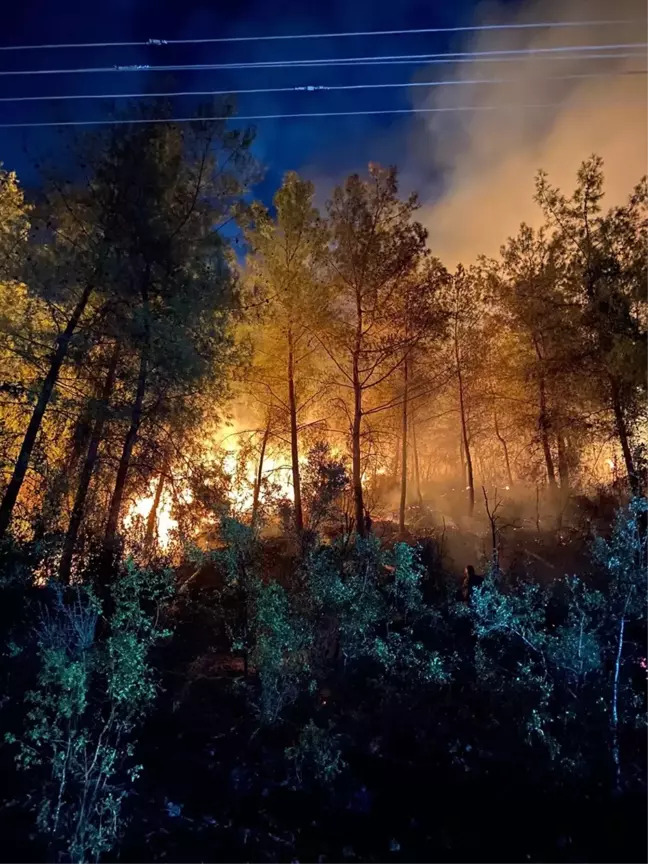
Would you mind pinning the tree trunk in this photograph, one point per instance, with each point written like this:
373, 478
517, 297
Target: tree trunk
294, 442
58, 492
151, 519
397, 457
133, 429
22, 462
543, 424
403, 490
88, 468
543, 417
563, 462
356, 429
502, 441
356, 464
259, 476
622, 434
462, 461
417, 471
563, 473
464, 432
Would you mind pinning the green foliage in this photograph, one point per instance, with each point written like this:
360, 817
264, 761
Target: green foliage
316, 753
324, 478
345, 595
92, 689
405, 591
240, 553
564, 676
281, 650
623, 557
575, 646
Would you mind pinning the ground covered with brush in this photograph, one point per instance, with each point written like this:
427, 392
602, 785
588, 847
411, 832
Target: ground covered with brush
359, 707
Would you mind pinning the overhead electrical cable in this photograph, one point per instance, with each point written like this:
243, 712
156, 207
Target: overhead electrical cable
320, 87
579, 51
639, 55
239, 118
298, 36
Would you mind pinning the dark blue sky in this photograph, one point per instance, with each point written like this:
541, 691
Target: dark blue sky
325, 149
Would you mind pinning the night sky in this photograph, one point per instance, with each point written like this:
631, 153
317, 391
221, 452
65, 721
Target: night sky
325, 149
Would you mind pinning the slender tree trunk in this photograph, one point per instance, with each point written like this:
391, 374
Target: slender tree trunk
356, 429
502, 441
133, 429
259, 476
481, 468
151, 520
563, 473
22, 462
543, 424
58, 492
563, 462
462, 460
464, 431
88, 468
403, 490
622, 434
356, 463
417, 471
397, 457
294, 442
543, 417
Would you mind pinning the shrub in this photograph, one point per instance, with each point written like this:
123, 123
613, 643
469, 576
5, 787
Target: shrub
341, 592
565, 678
317, 753
91, 691
324, 479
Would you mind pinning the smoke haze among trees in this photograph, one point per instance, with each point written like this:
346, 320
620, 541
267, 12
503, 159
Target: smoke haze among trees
333, 492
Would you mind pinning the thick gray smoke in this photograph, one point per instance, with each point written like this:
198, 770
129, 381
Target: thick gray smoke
488, 159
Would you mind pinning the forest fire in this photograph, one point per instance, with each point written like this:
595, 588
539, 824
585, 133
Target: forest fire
311, 494
165, 524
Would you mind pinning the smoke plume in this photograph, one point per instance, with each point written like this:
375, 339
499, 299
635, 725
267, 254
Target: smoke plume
488, 159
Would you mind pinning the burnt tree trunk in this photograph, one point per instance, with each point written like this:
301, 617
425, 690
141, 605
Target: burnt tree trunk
22, 462
88, 467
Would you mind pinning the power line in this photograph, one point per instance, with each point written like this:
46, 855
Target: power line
296, 64
580, 57
138, 121
297, 36
320, 87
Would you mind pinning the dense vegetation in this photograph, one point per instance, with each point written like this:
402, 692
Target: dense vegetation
245, 456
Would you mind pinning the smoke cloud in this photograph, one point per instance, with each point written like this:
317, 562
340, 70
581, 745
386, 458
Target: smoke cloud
487, 160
